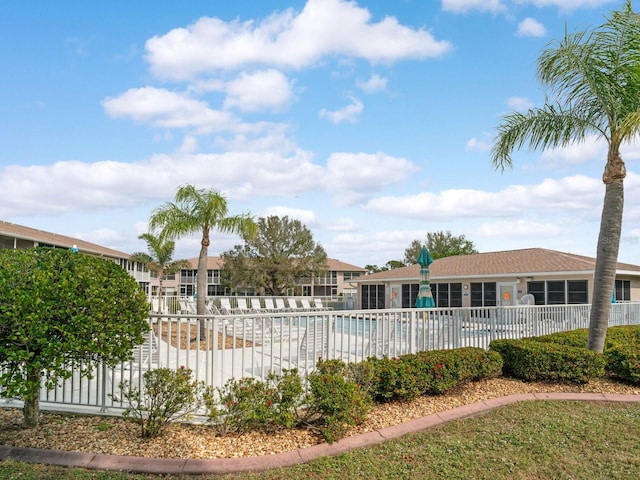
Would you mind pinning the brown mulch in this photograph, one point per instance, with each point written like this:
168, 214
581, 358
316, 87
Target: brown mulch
108, 435
178, 335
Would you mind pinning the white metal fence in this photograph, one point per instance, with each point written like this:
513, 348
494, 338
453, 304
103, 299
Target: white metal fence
217, 348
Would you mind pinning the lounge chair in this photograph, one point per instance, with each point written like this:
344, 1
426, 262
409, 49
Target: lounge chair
319, 306
293, 305
255, 305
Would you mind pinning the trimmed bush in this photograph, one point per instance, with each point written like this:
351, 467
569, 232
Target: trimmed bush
432, 372
624, 362
336, 401
532, 360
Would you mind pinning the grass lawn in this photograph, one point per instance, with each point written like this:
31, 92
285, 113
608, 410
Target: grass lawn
531, 440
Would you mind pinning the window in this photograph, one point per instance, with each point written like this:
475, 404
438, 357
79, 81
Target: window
538, 291
372, 296
409, 294
556, 293
559, 292
483, 294
577, 291
623, 290
447, 294
350, 275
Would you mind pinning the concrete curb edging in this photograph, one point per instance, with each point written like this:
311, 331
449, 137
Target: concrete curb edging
220, 466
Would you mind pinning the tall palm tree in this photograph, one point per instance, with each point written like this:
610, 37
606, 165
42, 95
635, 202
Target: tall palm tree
198, 211
159, 259
594, 79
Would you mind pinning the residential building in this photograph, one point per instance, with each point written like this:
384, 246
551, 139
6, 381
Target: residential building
337, 281
497, 278
21, 237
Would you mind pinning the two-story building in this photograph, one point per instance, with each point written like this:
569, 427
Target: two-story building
21, 237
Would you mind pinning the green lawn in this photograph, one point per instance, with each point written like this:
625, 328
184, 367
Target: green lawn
532, 440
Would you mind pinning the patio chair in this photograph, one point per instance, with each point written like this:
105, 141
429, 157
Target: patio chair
255, 304
280, 305
225, 306
319, 306
242, 305
306, 306
268, 305
293, 305
313, 346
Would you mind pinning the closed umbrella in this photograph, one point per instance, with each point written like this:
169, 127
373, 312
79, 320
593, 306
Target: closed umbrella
425, 299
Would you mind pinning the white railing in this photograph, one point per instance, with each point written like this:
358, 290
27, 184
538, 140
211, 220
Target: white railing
219, 347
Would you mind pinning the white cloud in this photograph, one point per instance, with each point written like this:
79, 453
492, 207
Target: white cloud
465, 6
165, 109
288, 39
578, 194
346, 114
189, 144
263, 90
592, 148
519, 103
530, 27
354, 176
375, 83
518, 228
307, 217
479, 145
343, 225
569, 5
73, 185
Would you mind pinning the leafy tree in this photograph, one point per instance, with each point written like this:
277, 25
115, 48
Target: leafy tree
61, 310
392, 264
412, 252
374, 269
594, 82
440, 244
282, 251
199, 211
159, 259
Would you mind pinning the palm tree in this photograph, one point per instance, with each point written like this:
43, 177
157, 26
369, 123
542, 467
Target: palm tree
594, 78
198, 211
159, 259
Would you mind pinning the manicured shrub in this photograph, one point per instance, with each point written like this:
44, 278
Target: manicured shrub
248, 404
167, 395
431, 372
623, 361
335, 402
532, 360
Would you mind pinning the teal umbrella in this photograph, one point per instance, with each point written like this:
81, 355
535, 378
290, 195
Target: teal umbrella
425, 299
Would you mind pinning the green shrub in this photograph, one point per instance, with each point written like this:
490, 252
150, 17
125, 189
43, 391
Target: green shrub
167, 395
248, 404
532, 360
395, 378
431, 372
623, 361
335, 400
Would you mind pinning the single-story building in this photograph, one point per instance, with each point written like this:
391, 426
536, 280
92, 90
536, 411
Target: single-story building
497, 278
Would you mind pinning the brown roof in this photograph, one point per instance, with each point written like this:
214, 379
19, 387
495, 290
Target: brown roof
510, 262
334, 265
34, 235
213, 263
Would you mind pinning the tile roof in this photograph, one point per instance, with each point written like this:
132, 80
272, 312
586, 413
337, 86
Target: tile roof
509, 262
32, 234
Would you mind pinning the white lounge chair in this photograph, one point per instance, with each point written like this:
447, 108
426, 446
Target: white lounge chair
306, 306
293, 305
280, 305
319, 306
255, 305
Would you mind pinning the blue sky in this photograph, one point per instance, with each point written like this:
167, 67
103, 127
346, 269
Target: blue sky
370, 121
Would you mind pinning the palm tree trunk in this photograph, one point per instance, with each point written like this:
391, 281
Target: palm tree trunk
606, 263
